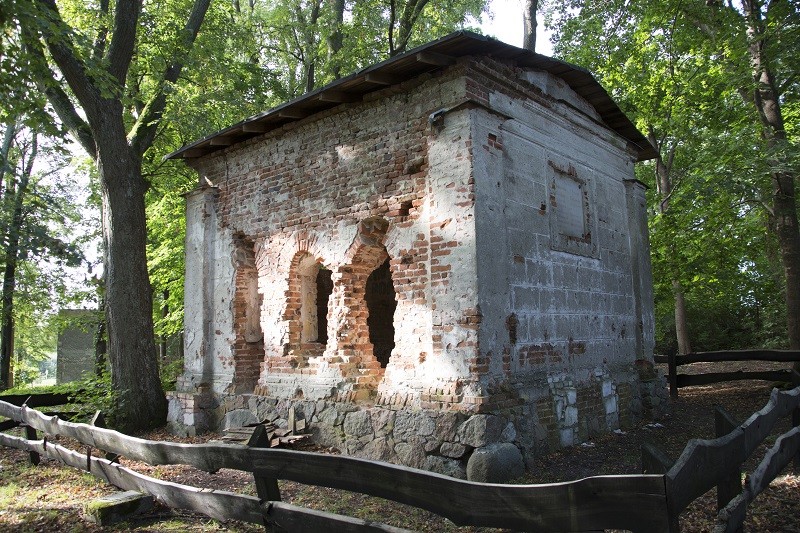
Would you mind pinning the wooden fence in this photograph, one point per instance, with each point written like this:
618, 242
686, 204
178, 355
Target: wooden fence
677, 381
650, 502
632, 502
705, 464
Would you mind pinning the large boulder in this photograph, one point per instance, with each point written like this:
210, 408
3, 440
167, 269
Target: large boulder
495, 463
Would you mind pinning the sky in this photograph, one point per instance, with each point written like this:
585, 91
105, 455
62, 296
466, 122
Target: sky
504, 22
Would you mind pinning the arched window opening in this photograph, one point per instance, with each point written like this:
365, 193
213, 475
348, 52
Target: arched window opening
315, 291
381, 304
324, 290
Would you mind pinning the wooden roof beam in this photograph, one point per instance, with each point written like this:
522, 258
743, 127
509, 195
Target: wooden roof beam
295, 114
254, 127
337, 97
381, 79
435, 59
194, 153
221, 141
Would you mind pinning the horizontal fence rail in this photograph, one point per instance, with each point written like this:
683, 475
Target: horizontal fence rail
48, 399
649, 502
217, 504
677, 381
632, 502
714, 458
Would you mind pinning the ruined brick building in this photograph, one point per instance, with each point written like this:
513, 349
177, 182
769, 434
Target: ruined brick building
441, 256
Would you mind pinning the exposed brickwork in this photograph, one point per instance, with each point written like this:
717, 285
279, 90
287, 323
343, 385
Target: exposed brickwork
248, 347
448, 178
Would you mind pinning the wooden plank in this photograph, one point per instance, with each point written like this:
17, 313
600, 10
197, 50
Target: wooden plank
221, 141
673, 377
295, 114
37, 400
731, 518
266, 486
637, 503
731, 486
337, 97
435, 59
761, 423
654, 460
711, 457
690, 380
30, 434
780, 455
779, 356
220, 505
5, 425
286, 517
382, 79
255, 127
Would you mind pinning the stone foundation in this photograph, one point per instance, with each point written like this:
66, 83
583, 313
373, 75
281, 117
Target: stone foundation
453, 443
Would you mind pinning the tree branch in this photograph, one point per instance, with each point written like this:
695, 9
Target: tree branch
72, 68
120, 50
409, 18
58, 98
143, 132
99, 47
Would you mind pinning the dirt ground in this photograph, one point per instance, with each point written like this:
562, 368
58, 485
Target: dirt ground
50, 498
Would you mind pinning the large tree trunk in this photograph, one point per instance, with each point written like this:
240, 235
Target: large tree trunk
131, 346
766, 99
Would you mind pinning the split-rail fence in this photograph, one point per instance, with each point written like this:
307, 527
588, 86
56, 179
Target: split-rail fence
649, 502
677, 381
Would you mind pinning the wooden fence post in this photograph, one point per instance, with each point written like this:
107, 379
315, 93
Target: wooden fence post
731, 486
654, 460
673, 376
796, 419
99, 421
266, 487
30, 434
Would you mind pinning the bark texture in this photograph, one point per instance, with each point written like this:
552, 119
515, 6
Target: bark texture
118, 154
766, 99
529, 23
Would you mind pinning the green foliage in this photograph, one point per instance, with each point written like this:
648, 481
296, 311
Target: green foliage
682, 73
96, 393
246, 60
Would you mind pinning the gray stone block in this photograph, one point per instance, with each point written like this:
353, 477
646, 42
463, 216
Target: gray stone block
118, 507
357, 424
495, 463
239, 418
479, 430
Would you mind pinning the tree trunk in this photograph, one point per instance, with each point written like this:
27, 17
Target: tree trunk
664, 187
131, 346
162, 346
681, 324
766, 99
10, 270
529, 22
336, 39
100, 342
